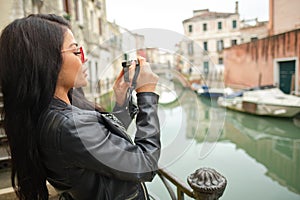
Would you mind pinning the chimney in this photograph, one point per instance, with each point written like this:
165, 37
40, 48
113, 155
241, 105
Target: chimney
236, 7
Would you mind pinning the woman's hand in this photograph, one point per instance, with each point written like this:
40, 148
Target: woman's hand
120, 87
147, 80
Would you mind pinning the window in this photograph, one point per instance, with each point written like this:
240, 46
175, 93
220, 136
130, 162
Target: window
190, 28
220, 61
92, 20
220, 45
100, 26
205, 48
234, 25
96, 66
78, 12
219, 25
76, 7
233, 42
254, 39
190, 48
66, 4
89, 76
97, 78
204, 27
206, 67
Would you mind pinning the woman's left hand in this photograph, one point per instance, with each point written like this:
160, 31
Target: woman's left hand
120, 86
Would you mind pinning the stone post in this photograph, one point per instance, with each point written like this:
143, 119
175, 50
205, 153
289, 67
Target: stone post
207, 184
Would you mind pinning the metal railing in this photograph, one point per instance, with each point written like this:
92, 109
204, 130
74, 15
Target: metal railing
204, 184
182, 187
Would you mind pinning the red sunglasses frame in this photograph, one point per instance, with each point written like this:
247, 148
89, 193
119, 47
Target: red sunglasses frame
81, 52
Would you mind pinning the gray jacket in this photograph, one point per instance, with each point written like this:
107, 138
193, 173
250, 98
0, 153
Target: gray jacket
89, 155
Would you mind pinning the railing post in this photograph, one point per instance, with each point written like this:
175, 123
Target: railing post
207, 184
180, 194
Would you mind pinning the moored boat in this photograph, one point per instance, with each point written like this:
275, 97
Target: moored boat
268, 101
205, 91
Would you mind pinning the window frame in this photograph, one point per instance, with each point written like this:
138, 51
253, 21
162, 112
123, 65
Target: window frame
220, 26
234, 24
190, 28
204, 27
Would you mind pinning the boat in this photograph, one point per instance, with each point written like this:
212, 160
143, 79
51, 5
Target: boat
214, 93
264, 100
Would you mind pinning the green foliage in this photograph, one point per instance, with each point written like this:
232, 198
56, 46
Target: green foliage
67, 16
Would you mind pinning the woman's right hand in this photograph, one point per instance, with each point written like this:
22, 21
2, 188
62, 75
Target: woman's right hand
147, 80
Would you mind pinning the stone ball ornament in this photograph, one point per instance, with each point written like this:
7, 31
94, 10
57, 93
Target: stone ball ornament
207, 184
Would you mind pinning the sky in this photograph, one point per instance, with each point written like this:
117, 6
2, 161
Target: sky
169, 14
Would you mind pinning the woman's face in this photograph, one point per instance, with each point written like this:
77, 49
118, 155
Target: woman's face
72, 73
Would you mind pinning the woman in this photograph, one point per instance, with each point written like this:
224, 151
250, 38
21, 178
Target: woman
84, 154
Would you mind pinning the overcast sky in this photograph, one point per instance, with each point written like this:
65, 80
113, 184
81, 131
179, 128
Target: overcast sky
169, 14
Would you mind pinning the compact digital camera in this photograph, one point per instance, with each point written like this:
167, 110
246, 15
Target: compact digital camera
127, 63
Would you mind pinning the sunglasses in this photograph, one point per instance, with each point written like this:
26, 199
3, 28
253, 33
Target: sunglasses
79, 51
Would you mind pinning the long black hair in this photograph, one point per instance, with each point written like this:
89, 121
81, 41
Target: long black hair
30, 61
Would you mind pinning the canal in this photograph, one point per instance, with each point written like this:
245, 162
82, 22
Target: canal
259, 156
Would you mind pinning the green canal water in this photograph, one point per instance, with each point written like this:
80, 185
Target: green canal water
259, 156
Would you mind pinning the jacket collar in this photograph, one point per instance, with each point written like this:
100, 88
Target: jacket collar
57, 103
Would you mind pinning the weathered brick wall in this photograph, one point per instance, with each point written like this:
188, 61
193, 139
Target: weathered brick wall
245, 63
286, 15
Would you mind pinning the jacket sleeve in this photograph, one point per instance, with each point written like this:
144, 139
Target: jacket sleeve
122, 113
93, 146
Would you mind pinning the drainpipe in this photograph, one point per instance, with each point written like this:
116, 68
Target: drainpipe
271, 18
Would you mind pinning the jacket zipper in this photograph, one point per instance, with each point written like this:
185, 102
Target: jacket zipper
145, 192
134, 196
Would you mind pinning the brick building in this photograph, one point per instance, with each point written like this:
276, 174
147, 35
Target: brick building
270, 60
208, 33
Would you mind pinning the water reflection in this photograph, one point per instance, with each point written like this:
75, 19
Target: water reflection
210, 122
185, 121
173, 125
273, 142
260, 156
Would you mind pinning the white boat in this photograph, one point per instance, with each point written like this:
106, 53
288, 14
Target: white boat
268, 101
205, 91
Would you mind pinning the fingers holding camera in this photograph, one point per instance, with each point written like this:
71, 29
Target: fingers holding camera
147, 79
120, 87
